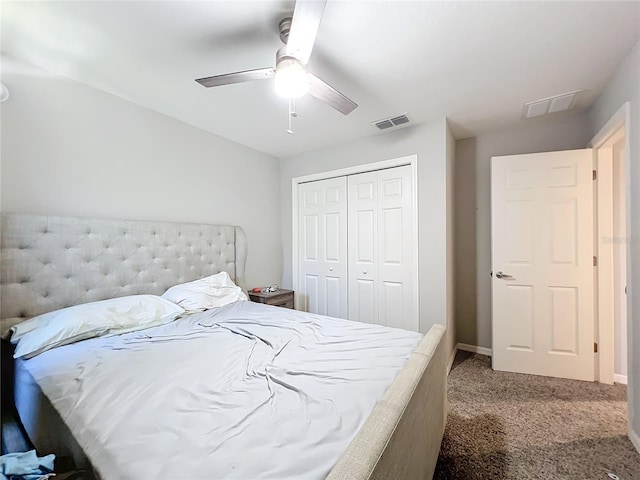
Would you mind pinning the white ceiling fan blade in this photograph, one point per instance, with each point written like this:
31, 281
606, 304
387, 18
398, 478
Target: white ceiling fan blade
304, 27
329, 95
237, 77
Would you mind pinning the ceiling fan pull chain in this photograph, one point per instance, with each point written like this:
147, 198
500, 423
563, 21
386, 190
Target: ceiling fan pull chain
292, 114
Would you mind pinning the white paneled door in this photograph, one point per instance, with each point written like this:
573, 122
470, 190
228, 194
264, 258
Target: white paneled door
363, 247
322, 245
542, 260
382, 263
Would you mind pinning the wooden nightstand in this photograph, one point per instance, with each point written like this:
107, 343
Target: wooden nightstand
282, 298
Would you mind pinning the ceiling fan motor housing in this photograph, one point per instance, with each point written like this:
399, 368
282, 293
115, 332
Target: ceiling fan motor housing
281, 55
285, 27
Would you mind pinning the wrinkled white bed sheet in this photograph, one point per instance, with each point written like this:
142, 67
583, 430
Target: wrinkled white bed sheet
245, 391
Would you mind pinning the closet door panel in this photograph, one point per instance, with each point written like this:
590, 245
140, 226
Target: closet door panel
333, 286
311, 288
310, 238
332, 240
392, 307
396, 252
365, 236
322, 243
364, 301
391, 241
363, 247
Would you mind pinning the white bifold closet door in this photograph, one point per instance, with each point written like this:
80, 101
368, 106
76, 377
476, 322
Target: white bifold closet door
382, 279
322, 244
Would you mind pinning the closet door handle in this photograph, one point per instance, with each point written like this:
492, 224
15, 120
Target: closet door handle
364, 271
331, 269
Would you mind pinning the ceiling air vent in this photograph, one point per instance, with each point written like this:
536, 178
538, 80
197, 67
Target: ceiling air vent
557, 103
391, 122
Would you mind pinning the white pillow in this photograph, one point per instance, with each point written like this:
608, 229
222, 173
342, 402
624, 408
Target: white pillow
210, 292
88, 320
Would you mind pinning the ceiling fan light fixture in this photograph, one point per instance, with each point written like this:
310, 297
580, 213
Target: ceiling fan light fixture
291, 79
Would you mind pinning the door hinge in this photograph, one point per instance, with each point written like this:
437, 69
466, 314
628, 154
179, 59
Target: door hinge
595, 347
595, 175
595, 261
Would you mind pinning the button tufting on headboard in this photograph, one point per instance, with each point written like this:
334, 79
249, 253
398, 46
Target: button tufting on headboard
51, 262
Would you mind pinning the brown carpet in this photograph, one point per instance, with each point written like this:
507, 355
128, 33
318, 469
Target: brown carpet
513, 426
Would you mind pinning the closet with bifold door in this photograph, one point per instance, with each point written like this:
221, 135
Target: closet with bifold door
357, 250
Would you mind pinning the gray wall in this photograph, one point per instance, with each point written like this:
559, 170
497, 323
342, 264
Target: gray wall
465, 262
70, 149
473, 208
451, 274
429, 142
625, 87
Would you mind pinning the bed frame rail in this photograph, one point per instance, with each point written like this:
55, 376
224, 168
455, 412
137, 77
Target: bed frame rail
402, 436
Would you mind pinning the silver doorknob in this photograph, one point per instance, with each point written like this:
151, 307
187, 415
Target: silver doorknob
331, 269
502, 275
364, 271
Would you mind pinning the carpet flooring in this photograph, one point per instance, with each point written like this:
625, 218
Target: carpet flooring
512, 426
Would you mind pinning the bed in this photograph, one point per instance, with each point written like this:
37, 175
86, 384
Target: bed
53, 262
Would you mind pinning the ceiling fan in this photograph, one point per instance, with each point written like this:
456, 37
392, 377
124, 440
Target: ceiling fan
292, 80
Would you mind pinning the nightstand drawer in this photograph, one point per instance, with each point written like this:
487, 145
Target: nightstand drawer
287, 304
281, 298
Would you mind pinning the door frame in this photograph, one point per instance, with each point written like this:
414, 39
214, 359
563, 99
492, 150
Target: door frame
411, 160
602, 144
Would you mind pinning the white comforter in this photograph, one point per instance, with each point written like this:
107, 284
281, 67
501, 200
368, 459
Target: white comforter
245, 391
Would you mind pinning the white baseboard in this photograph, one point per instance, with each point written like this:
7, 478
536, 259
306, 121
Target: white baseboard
474, 349
635, 439
620, 379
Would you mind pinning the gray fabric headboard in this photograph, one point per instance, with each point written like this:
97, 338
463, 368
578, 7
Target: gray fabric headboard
51, 262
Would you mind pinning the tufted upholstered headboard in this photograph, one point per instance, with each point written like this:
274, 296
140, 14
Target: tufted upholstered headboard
51, 262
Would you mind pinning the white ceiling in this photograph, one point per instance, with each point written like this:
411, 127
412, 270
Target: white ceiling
474, 62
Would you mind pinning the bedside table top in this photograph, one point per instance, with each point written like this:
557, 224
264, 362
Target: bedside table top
282, 291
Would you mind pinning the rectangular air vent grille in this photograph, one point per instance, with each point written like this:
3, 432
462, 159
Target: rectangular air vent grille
382, 124
391, 122
400, 120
